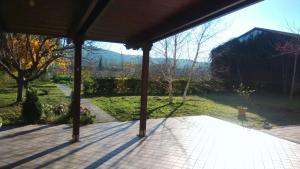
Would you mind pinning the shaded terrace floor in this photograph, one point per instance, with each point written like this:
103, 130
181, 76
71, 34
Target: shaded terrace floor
183, 142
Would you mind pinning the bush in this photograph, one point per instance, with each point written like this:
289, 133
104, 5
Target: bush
132, 86
86, 117
57, 110
55, 114
31, 108
88, 87
104, 86
64, 79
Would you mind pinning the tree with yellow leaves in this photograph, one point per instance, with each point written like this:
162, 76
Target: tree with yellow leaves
26, 57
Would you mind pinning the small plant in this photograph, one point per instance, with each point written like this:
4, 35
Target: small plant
86, 117
60, 109
31, 108
244, 91
47, 109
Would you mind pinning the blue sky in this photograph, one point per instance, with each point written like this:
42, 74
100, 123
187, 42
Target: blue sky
270, 14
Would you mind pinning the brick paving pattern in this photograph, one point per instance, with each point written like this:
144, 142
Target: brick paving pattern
183, 142
291, 133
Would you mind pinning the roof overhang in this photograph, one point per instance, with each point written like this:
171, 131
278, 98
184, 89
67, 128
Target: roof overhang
132, 22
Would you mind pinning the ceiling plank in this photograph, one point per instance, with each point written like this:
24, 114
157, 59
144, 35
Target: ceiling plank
93, 11
197, 14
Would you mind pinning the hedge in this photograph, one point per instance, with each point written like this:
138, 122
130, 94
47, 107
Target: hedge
64, 79
132, 86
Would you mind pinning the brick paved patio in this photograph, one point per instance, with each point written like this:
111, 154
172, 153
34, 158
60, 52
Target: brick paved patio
185, 142
291, 132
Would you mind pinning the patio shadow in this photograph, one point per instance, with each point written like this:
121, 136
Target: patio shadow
84, 146
38, 155
128, 144
24, 132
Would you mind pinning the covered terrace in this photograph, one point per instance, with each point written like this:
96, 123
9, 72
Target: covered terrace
182, 142
135, 23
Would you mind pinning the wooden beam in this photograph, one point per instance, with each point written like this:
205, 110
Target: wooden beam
94, 10
76, 93
197, 14
144, 89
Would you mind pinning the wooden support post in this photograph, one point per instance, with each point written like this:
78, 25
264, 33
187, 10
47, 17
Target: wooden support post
144, 89
76, 93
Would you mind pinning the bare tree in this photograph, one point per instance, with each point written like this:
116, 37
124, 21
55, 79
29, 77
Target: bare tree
199, 36
170, 49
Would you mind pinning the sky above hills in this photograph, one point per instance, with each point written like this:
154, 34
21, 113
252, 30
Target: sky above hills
270, 14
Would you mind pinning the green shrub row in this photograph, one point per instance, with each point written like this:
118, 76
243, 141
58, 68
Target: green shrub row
64, 79
132, 86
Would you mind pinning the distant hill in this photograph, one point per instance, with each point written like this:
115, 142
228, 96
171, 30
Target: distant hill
111, 57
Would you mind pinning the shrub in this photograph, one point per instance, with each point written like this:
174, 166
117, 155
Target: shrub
132, 86
104, 86
1, 121
55, 114
57, 110
86, 117
88, 88
31, 108
11, 115
157, 87
244, 91
64, 79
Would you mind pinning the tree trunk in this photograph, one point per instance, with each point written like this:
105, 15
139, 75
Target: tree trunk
294, 78
238, 69
186, 89
20, 83
284, 76
170, 91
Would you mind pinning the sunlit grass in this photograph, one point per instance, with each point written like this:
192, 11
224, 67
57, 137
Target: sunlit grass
11, 112
222, 106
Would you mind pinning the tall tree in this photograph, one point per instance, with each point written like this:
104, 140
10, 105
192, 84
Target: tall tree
200, 36
170, 49
100, 64
26, 57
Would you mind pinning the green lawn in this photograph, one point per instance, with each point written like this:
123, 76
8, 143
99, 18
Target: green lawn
275, 109
10, 111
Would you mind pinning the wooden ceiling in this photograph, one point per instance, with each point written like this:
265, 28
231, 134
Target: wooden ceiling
132, 22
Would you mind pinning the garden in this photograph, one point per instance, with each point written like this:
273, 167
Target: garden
119, 97
43, 103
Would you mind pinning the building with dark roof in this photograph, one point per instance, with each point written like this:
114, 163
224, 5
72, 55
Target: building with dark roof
255, 58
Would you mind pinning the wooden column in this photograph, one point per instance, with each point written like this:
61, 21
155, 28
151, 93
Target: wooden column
76, 93
144, 89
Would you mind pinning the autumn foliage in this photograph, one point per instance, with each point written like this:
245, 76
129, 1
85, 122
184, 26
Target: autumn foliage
26, 57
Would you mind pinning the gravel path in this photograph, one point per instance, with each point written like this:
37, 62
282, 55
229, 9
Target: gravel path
101, 116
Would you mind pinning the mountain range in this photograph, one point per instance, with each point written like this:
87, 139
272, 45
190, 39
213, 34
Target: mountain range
114, 58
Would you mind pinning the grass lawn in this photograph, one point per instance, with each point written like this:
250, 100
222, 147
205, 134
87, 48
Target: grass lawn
11, 112
275, 109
